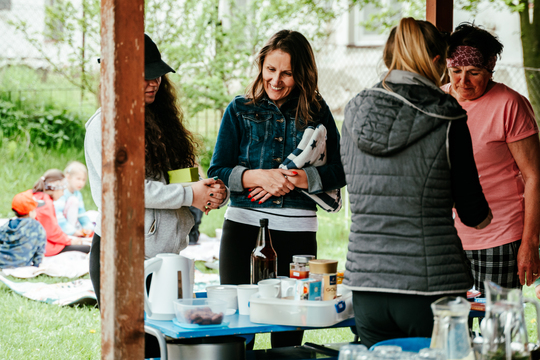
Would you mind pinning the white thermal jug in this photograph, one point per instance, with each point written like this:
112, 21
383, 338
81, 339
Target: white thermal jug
172, 279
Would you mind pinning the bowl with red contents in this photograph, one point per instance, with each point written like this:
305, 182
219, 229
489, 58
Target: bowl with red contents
200, 311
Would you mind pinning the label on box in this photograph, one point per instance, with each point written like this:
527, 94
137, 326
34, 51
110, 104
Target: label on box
315, 291
329, 287
308, 289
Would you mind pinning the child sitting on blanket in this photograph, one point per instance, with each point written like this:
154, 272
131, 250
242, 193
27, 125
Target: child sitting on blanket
70, 210
22, 239
50, 187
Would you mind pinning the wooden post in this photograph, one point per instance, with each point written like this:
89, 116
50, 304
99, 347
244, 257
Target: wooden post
440, 13
122, 237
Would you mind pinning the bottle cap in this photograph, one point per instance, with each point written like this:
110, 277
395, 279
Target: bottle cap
302, 259
321, 266
263, 222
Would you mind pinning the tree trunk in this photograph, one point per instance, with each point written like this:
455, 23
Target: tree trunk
530, 41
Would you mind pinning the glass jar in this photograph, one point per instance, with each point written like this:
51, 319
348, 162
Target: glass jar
326, 271
299, 268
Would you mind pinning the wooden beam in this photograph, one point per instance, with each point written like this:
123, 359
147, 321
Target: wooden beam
441, 14
122, 237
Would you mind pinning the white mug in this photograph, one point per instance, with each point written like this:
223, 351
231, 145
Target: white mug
270, 288
288, 287
244, 295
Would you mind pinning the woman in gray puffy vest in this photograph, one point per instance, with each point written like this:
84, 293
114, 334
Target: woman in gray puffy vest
408, 159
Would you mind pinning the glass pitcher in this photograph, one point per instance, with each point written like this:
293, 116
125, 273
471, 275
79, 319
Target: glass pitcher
451, 329
504, 330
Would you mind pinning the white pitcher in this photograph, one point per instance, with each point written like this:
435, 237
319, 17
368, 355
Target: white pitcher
172, 279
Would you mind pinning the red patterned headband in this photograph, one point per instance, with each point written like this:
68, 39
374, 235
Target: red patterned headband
470, 56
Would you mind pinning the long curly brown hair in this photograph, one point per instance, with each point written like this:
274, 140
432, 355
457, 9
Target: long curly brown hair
168, 144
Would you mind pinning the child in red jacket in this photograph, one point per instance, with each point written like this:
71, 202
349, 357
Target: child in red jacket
50, 187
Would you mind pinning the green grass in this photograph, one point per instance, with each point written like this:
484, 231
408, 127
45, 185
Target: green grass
23, 167
34, 330
23, 84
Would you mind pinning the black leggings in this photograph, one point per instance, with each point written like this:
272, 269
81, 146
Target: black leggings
382, 316
151, 345
237, 243
82, 248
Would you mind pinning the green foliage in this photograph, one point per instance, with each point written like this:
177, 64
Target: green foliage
472, 5
45, 126
212, 45
74, 29
205, 153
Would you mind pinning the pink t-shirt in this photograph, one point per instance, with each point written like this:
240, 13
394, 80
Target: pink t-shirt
499, 117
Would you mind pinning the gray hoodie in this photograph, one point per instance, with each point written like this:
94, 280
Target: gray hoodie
167, 219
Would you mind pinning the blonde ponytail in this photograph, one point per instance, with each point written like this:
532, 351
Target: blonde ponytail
415, 45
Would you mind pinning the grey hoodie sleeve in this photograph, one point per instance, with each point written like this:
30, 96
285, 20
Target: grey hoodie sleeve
92, 154
157, 195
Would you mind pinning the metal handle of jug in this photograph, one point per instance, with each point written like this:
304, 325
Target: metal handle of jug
150, 266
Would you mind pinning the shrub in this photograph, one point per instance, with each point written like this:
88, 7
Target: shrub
42, 126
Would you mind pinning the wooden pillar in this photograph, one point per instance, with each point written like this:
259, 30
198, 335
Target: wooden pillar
441, 14
122, 238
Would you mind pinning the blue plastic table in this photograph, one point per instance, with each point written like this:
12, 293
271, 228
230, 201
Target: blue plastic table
238, 325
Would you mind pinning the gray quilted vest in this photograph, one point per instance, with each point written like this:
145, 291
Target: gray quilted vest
395, 156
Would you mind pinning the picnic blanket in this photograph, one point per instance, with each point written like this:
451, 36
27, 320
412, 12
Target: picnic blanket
74, 264
74, 292
71, 264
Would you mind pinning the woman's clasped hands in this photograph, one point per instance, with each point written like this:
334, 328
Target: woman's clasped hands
263, 184
208, 194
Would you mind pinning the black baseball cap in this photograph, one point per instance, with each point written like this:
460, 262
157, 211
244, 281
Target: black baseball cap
154, 67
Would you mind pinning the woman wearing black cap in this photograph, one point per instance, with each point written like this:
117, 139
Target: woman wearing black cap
168, 146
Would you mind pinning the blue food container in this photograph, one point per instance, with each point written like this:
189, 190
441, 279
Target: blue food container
413, 344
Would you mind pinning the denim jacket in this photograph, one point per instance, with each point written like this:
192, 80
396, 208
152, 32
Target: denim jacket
261, 136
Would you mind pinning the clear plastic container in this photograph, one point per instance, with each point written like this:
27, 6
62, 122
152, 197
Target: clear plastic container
301, 312
199, 311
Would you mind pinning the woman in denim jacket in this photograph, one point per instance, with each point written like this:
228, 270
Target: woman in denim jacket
258, 131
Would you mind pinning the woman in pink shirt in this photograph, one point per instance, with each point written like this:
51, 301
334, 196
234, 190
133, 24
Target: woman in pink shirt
507, 153
50, 187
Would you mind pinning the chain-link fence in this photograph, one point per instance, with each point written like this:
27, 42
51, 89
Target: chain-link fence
345, 71
35, 67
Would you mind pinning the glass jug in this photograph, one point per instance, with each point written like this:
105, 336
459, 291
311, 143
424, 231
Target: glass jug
451, 329
504, 330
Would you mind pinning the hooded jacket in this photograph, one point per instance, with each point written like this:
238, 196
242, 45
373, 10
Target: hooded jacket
167, 219
22, 243
395, 154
